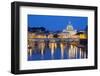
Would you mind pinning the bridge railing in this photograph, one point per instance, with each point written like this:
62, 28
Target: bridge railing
56, 39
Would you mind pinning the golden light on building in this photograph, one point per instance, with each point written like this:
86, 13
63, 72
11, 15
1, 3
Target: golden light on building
83, 36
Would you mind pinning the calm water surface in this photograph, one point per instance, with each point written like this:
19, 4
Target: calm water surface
42, 50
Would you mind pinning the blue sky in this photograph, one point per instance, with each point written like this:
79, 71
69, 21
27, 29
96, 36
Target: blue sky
57, 23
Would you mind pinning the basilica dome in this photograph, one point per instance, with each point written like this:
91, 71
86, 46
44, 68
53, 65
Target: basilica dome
69, 27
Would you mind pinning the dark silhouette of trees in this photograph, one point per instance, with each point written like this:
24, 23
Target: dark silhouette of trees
36, 29
55, 35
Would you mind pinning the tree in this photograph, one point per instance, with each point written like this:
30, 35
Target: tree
55, 35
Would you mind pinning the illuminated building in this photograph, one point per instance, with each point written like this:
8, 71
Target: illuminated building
69, 29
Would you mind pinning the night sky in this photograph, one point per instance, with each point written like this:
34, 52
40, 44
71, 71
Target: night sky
57, 23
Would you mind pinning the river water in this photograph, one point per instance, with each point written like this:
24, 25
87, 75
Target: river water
42, 50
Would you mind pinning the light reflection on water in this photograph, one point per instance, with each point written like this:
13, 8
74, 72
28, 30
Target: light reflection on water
55, 50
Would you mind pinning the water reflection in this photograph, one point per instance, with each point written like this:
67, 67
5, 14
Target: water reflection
47, 50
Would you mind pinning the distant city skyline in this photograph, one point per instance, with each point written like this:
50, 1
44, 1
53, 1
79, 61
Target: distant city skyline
57, 23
